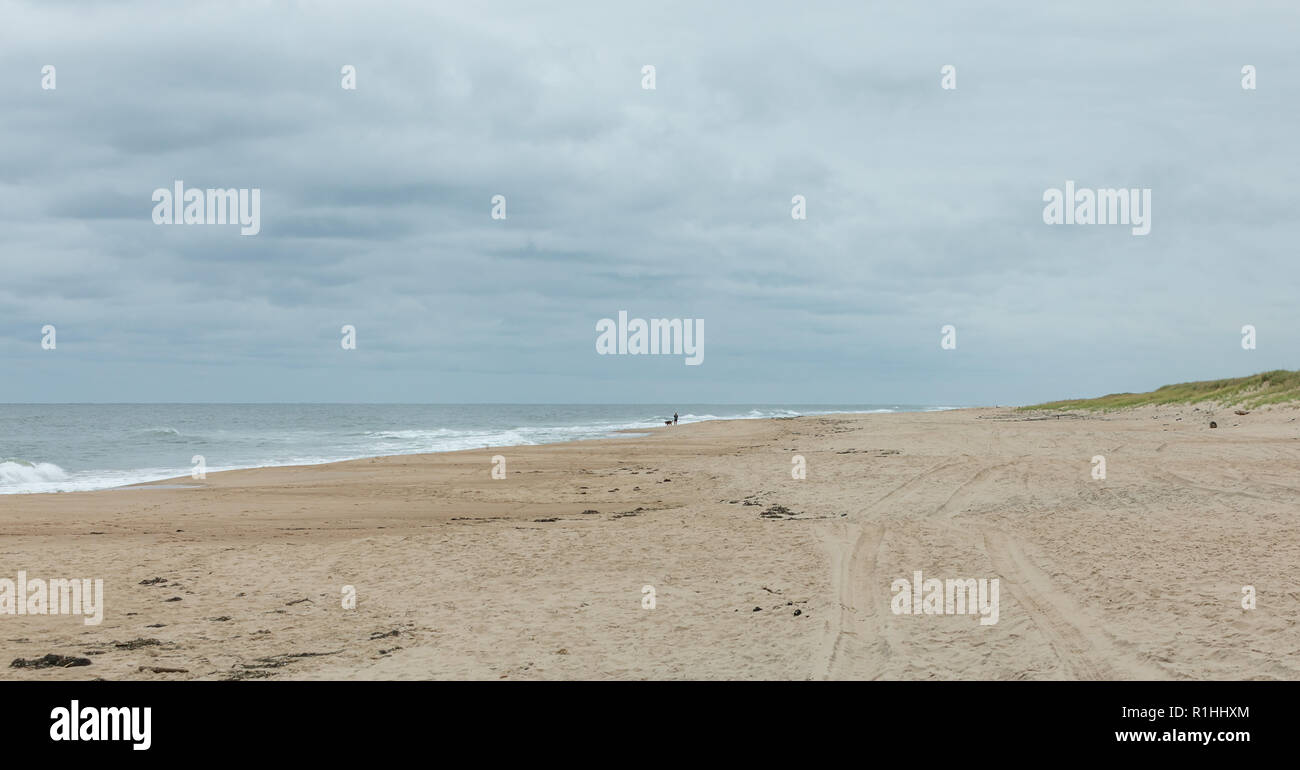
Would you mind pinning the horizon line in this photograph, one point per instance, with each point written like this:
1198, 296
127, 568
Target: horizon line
481, 403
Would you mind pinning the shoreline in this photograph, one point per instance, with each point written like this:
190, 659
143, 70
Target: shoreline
614, 433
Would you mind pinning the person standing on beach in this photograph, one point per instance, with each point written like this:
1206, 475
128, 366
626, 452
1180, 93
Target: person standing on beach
674, 418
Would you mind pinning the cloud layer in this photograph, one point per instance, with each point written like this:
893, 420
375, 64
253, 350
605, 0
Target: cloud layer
924, 205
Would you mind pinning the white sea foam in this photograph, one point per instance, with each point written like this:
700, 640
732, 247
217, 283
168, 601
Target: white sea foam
23, 478
20, 472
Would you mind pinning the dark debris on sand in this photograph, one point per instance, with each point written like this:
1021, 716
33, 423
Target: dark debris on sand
781, 513
260, 668
50, 661
136, 644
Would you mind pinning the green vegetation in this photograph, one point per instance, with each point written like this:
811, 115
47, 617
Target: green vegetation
1274, 387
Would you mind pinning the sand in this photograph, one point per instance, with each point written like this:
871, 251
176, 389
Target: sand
756, 575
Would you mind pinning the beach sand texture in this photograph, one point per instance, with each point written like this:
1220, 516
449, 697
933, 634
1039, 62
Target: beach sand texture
756, 575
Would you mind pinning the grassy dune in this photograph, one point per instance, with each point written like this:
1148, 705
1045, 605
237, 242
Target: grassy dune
1274, 387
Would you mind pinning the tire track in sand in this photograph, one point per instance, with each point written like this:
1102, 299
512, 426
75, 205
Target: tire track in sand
853, 630
965, 491
853, 627
1082, 653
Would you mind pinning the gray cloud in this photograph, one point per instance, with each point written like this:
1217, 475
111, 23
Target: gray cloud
924, 205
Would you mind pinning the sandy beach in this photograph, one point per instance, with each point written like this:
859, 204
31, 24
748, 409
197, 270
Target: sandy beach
755, 574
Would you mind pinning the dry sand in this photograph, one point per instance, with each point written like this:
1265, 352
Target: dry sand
540, 575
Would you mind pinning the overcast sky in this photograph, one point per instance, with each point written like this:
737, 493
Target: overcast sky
924, 205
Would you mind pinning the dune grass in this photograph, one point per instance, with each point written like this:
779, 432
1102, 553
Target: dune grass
1276, 387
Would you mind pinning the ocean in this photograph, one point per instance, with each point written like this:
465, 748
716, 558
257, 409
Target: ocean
77, 447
